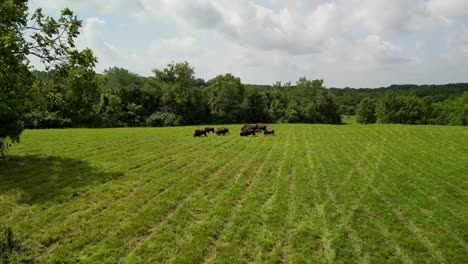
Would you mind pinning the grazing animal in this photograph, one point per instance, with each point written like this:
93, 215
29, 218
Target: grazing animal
209, 129
269, 132
199, 133
260, 126
247, 132
257, 130
222, 131
246, 126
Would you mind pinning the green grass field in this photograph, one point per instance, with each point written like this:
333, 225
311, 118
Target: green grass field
312, 193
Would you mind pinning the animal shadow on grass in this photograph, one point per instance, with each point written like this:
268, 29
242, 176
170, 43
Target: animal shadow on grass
42, 179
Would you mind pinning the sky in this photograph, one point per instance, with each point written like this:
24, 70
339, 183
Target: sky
352, 43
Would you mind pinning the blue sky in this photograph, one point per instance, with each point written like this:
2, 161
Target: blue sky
355, 43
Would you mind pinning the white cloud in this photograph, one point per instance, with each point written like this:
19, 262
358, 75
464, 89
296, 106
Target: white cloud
381, 52
381, 16
449, 9
355, 42
92, 37
86, 5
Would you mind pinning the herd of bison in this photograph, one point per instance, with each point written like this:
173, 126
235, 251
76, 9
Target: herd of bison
246, 130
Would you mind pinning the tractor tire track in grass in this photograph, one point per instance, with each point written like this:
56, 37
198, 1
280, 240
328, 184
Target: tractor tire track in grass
189, 208
408, 224
275, 211
370, 179
32, 183
421, 181
416, 204
411, 199
304, 239
313, 193
394, 159
101, 206
140, 204
145, 230
355, 206
345, 232
210, 223
330, 172
229, 229
282, 250
432, 157
411, 187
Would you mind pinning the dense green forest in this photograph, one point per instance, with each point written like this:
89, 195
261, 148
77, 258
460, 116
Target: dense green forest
175, 96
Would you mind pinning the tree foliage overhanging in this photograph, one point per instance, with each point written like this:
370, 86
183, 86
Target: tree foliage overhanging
23, 35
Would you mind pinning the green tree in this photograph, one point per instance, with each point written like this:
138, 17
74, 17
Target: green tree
292, 113
225, 95
120, 83
459, 115
411, 111
254, 106
316, 104
181, 94
81, 95
110, 110
452, 111
387, 109
277, 102
50, 40
46, 103
365, 113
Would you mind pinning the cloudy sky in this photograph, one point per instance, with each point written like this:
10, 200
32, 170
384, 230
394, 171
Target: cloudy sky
355, 43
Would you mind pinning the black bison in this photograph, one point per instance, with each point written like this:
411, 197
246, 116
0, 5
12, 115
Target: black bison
247, 132
269, 132
199, 133
222, 131
209, 129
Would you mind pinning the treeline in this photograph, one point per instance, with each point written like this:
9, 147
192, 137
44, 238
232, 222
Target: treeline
445, 104
349, 98
394, 108
173, 96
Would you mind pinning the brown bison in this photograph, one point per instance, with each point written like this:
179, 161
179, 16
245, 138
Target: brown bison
199, 133
209, 129
260, 126
247, 132
222, 131
246, 126
269, 132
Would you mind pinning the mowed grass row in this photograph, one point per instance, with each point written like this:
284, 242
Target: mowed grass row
312, 193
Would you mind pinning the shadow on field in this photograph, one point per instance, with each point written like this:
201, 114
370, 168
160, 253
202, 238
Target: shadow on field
40, 179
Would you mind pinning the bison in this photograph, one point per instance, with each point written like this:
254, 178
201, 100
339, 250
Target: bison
199, 133
209, 129
246, 126
257, 130
260, 126
269, 132
222, 131
247, 132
